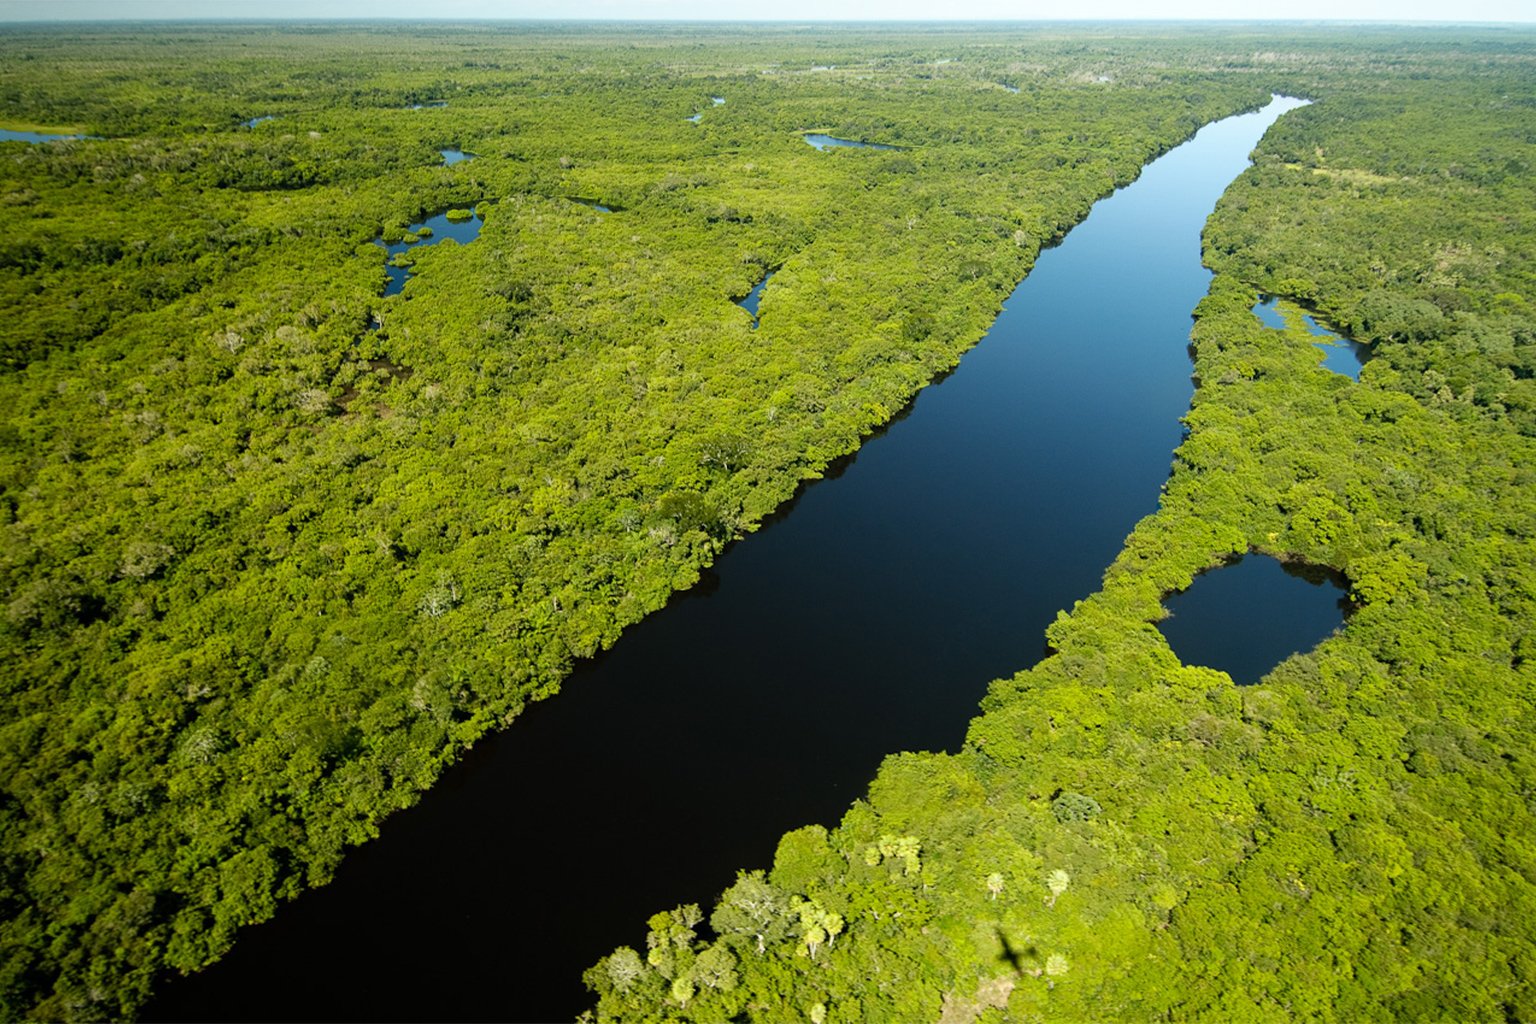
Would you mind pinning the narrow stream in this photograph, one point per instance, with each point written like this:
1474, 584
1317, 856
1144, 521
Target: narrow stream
868, 618
8, 135
752, 298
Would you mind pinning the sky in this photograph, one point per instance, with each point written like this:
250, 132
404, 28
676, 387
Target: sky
778, 10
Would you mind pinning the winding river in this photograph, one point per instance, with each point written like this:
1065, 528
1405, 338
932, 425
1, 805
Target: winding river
866, 618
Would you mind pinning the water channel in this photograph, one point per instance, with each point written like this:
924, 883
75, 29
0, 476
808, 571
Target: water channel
818, 141
866, 619
1341, 355
752, 298
8, 135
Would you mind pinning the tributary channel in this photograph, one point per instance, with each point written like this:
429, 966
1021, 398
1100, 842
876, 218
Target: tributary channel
867, 618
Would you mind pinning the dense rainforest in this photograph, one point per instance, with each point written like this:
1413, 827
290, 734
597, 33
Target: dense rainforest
1124, 837
278, 547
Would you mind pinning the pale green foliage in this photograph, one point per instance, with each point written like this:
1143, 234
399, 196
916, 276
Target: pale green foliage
624, 968
683, 989
716, 968
817, 925
753, 908
906, 849
1056, 882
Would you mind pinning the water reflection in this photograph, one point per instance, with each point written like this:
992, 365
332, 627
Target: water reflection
749, 303
6, 135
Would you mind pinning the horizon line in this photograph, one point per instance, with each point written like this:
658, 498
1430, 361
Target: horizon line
599, 19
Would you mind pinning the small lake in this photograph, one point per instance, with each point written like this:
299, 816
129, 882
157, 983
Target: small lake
1343, 356
455, 156
866, 618
253, 122
6, 135
433, 105
1249, 615
750, 301
819, 141
428, 232
591, 204
695, 118
717, 100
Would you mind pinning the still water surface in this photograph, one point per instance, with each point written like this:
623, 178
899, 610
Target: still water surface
752, 298
1343, 356
436, 228
7, 135
868, 619
1246, 617
819, 141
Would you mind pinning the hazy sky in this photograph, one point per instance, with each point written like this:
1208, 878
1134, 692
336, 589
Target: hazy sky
776, 10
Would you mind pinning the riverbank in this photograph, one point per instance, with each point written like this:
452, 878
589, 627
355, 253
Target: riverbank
1125, 837
297, 587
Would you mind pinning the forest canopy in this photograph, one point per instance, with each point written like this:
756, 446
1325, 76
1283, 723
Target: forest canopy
278, 546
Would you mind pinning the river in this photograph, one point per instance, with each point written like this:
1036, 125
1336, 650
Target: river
866, 619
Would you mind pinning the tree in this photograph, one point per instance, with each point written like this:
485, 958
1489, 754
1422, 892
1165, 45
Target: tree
670, 938
1057, 882
624, 968
753, 908
716, 968
817, 926
1391, 316
1071, 806
726, 451
903, 848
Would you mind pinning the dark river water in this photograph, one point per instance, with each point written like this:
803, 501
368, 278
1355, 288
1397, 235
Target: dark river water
867, 619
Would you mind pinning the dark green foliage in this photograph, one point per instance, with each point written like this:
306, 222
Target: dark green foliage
1075, 807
